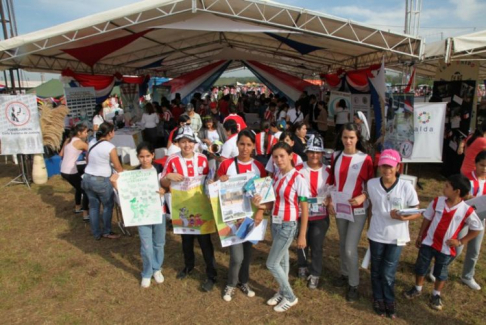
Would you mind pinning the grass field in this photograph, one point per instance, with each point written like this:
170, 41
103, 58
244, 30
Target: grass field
53, 271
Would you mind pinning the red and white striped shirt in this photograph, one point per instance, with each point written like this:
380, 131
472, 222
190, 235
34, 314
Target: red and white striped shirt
260, 143
272, 168
228, 167
446, 223
317, 181
288, 188
351, 173
177, 164
167, 115
477, 185
269, 116
238, 119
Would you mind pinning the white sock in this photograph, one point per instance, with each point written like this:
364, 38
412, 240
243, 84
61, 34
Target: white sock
435, 293
419, 288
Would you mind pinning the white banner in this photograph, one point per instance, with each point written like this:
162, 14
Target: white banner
429, 120
140, 201
19, 125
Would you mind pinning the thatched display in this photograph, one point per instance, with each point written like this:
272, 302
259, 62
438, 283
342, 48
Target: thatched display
52, 125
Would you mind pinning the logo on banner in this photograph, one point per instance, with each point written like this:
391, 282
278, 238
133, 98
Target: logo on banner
17, 113
424, 117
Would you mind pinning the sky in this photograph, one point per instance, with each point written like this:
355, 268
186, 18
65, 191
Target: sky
438, 19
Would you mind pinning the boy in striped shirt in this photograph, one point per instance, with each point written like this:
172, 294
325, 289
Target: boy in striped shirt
438, 237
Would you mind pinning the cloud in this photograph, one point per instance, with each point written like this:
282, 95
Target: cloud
468, 10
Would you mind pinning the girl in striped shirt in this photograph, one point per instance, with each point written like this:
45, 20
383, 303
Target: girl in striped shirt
351, 169
291, 193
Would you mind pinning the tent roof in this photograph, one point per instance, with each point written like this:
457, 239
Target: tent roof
469, 47
185, 35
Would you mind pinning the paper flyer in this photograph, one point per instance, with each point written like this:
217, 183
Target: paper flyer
191, 210
234, 203
343, 209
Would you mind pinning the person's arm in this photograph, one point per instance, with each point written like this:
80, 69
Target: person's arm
171, 177
423, 228
464, 240
80, 145
61, 153
114, 180
116, 162
301, 241
394, 215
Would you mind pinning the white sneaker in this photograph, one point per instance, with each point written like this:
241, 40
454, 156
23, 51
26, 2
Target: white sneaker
285, 305
158, 277
471, 283
145, 282
275, 300
228, 293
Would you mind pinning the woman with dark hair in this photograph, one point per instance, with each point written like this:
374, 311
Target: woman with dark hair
70, 152
291, 193
351, 168
97, 117
152, 237
341, 115
211, 131
300, 131
240, 254
183, 120
472, 146
96, 181
150, 119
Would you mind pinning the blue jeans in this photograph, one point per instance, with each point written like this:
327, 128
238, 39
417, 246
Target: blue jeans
384, 263
99, 191
278, 258
442, 261
152, 242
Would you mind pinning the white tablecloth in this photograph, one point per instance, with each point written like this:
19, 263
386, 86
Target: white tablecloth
127, 138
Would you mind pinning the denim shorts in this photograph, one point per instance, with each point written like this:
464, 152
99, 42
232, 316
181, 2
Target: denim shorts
442, 261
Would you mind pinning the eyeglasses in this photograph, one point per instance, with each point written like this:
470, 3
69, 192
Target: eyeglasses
188, 124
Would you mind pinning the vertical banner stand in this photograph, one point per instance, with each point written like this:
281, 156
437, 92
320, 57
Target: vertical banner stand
22, 178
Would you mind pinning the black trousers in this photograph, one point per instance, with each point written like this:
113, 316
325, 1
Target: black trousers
75, 181
207, 251
316, 232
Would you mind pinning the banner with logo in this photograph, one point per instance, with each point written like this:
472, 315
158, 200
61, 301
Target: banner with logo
429, 119
399, 126
361, 102
338, 101
19, 125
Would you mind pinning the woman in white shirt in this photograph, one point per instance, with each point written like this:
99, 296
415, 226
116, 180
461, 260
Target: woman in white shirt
96, 181
341, 115
388, 232
150, 119
97, 117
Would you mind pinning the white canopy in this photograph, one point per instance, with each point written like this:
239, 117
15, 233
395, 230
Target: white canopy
188, 34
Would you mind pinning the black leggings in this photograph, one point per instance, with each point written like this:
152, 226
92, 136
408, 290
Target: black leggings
75, 181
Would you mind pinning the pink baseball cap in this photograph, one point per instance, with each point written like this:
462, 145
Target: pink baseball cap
389, 157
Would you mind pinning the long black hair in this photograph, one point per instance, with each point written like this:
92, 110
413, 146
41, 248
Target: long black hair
246, 133
478, 133
350, 127
283, 145
104, 130
145, 146
75, 130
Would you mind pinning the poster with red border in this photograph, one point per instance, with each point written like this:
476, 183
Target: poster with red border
19, 125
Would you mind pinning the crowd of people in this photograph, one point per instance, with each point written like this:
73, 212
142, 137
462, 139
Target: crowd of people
289, 147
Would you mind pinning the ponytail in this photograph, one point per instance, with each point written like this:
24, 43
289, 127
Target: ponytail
104, 130
75, 130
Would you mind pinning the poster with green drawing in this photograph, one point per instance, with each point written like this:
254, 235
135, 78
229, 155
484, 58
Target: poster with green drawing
140, 201
190, 208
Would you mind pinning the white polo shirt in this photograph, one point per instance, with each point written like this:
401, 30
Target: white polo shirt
384, 229
230, 149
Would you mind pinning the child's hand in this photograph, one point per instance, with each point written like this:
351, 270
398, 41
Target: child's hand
224, 178
418, 242
161, 191
301, 241
258, 218
358, 200
175, 177
256, 200
394, 215
453, 243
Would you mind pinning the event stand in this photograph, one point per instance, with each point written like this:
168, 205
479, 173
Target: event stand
23, 177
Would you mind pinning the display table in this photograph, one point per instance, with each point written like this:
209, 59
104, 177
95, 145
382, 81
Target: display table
127, 137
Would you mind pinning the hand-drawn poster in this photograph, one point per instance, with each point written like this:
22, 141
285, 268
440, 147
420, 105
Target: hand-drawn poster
399, 130
234, 203
190, 207
140, 201
19, 125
